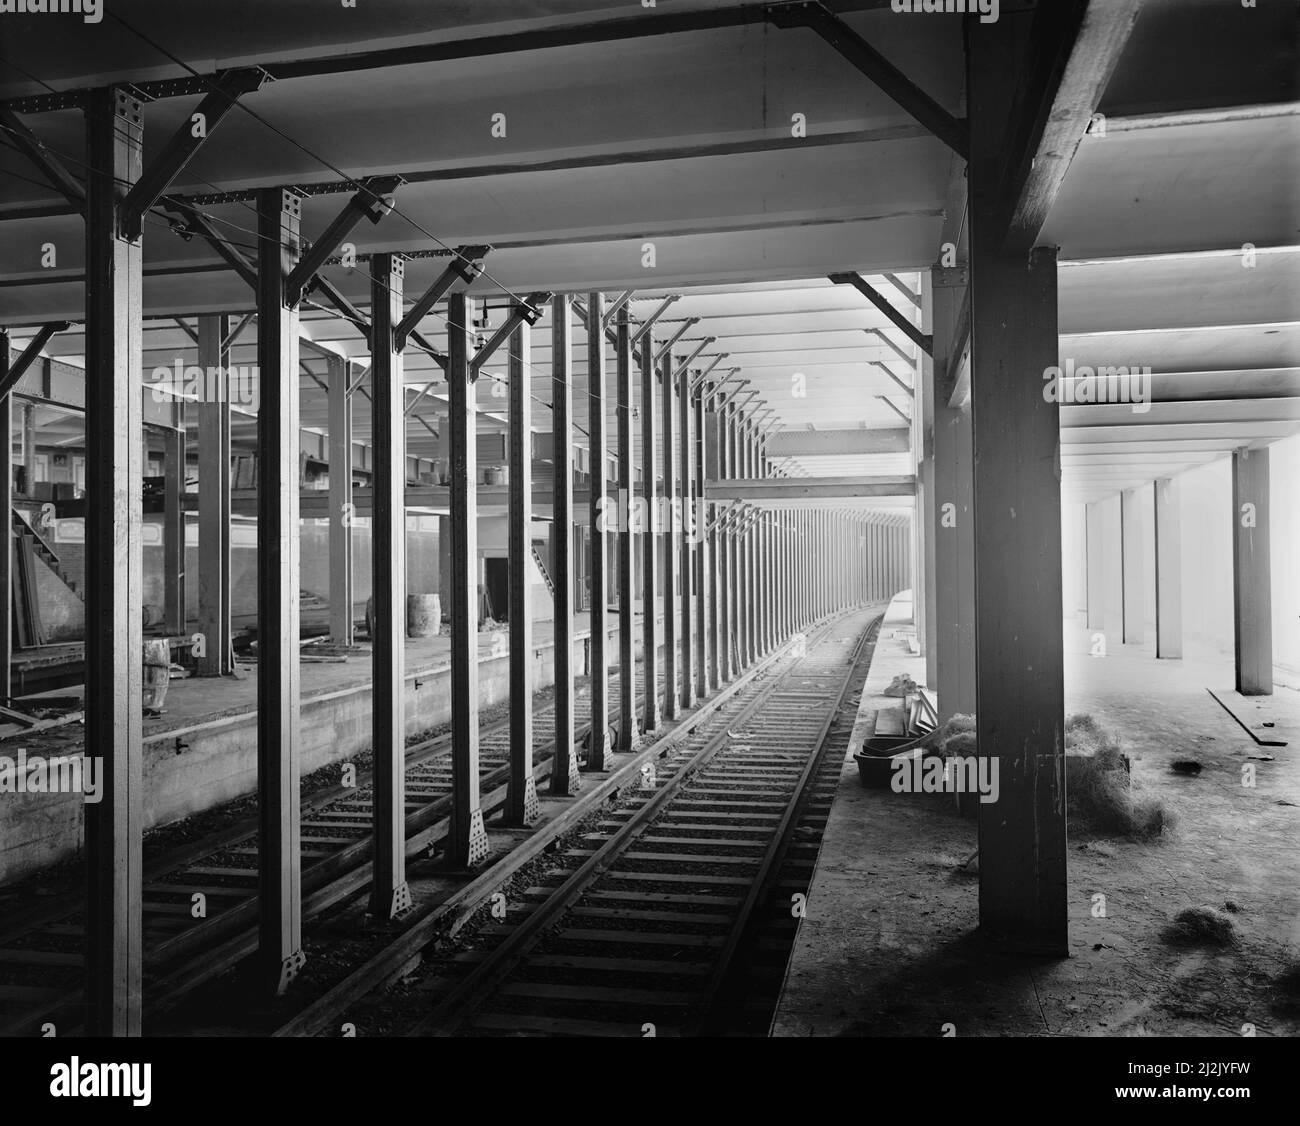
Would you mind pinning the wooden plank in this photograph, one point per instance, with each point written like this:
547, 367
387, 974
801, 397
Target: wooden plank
1074, 48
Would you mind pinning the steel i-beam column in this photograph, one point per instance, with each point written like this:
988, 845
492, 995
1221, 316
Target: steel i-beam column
1252, 584
174, 615
1020, 700
1094, 549
467, 843
687, 443
627, 729
341, 512
565, 779
114, 570
278, 571
723, 553
214, 502
7, 551
1169, 570
672, 530
521, 796
703, 569
599, 483
389, 894
650, 532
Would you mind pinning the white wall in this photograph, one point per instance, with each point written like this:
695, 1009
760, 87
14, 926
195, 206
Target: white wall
1205, 499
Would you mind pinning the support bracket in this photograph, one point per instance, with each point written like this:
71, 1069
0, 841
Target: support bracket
371, 202
922, 340
19, 367
228, 87
952, 131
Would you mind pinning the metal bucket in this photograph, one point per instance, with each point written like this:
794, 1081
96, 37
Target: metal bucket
423, 615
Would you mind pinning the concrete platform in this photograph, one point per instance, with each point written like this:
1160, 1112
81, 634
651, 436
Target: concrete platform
202, 751
889, 945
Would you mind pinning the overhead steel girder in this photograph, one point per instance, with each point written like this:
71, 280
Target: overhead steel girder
649, 322
19, 367
702, 375
225, 90
530, 310
952, 131
666, 347
921, 339
370, 202
687, 362
466, 266
49, 164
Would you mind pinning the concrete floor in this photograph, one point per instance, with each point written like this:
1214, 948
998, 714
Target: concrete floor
889, 947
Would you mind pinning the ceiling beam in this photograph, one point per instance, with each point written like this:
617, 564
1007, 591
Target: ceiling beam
804, 488
1073, 50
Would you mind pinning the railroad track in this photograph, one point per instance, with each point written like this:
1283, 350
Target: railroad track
656, 918
41, 950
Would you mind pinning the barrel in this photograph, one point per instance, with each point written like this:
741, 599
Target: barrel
423, 615
157, 659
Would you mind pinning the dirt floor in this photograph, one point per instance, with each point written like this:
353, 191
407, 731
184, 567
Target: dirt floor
890, 948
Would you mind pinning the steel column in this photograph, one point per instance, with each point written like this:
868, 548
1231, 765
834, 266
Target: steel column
7, 551
114, 570
521, 797
467, 843
338, 380
599, 501
214, 502
564, 767
703, 570
1131, 568
672, 530
174, 615
627, 727
686, 442
278, 573
389, 894
650, 532
1020, 698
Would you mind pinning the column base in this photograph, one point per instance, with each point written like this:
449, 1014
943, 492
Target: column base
289, 969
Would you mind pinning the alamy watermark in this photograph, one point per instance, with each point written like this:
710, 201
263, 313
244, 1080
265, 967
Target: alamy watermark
957, 774
987, 10
90, 11
1083, 384
690, 517
237, 384
57, 774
